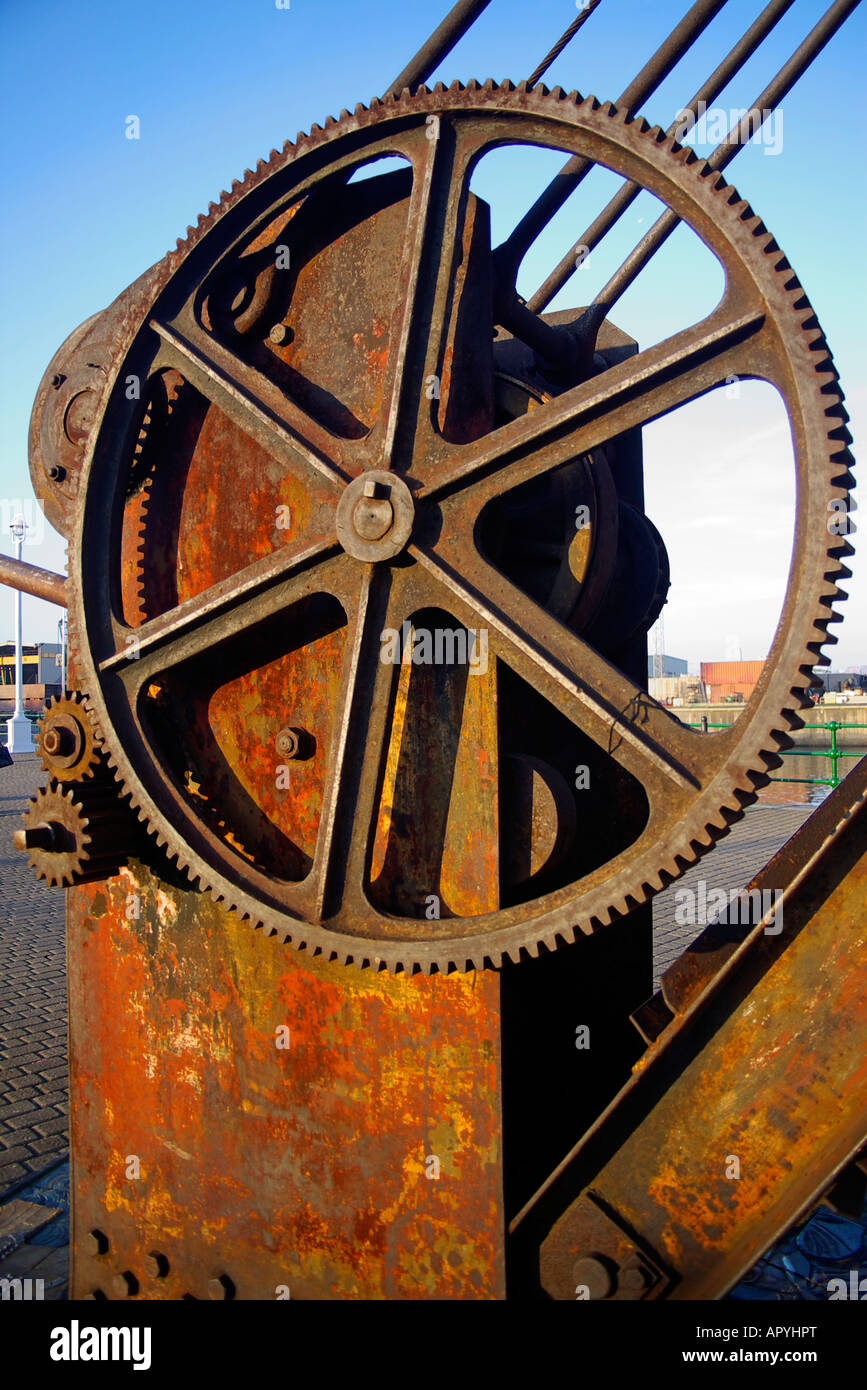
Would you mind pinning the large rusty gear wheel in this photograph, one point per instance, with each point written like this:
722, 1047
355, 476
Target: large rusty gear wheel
72, 834
215, 311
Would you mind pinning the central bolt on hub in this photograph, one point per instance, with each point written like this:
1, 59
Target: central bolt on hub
375, 516
59, 740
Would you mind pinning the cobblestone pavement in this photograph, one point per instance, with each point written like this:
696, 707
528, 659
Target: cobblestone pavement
736, 859
33, 1062
33, 1078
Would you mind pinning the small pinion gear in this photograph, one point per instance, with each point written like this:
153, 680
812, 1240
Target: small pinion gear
72, 835
68, 742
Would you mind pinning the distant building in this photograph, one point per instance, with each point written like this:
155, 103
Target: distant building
40, 668
677, 690
727, 681
671, 666
838, 680
40, 663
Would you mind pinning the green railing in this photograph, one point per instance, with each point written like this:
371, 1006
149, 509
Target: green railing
832, 752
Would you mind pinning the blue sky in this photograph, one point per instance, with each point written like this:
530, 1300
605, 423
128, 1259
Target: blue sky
217, 83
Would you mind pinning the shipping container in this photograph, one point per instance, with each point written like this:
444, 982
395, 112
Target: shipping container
719, 672
726, 680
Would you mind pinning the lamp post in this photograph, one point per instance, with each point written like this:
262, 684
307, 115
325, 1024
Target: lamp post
61, 630
19, 735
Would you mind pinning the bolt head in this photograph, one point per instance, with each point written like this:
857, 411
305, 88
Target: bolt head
124, 1285
372, 517
636, 1278
280, 334
221, 1287
375, 516
288, 743
96, 1242
156, 1265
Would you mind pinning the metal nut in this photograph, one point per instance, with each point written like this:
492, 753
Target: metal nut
59, 740
96, 1242
125, 1285
288, 743
156, 1265
221, 1287
636, 1278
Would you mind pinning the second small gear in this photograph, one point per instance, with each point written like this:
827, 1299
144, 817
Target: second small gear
68, 742
73, 834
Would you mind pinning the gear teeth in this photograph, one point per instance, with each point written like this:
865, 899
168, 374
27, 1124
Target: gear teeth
741, 778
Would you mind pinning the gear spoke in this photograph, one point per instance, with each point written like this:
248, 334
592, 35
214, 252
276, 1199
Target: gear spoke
226, 609
632, 393
356, 760
427, 282
265, 412
611, 709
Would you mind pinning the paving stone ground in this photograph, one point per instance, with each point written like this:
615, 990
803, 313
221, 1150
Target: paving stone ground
33, 1067
33, 1044
736, 859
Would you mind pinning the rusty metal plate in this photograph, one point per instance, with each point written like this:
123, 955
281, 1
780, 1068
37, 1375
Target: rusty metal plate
360, 1161
755, 1095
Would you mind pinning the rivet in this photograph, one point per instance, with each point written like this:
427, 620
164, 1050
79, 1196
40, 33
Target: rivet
595, 1274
